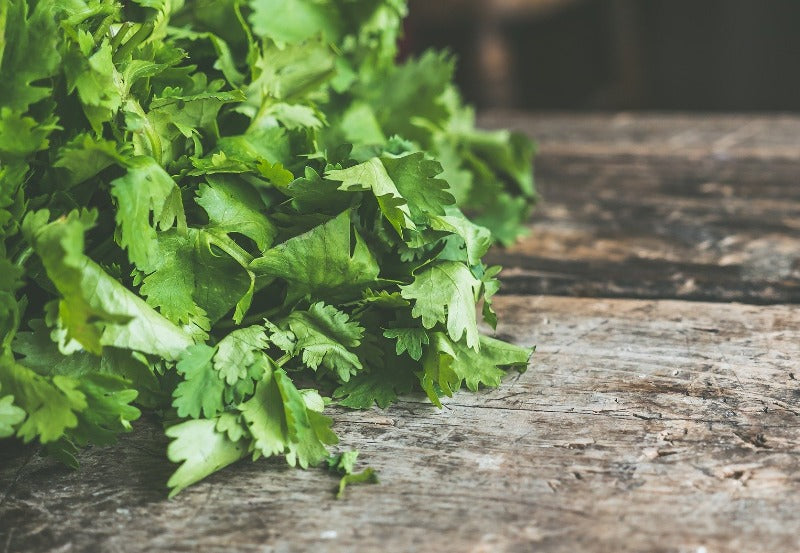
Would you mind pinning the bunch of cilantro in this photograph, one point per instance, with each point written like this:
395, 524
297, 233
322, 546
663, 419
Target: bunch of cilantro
229, 212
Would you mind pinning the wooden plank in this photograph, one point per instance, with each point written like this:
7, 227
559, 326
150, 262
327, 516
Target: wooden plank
657, 426
690, 207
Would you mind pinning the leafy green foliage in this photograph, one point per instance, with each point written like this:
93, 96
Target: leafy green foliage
344, 464
202, 386
204, 204
10, 416
446, 292
323, 334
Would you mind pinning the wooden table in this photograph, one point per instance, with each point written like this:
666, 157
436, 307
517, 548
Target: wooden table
661, 412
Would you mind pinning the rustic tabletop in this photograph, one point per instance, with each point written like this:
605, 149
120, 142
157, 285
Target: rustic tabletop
661, 412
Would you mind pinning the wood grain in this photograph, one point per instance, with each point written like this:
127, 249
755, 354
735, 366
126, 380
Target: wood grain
657, 426
659, 206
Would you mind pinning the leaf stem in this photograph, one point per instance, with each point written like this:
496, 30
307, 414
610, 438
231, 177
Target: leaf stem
23, 256
138, 37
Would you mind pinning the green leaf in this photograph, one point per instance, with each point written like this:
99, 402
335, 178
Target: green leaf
290, 21
309, 431
446, 291
10, 416
366, 476
96, 79
52, 404
85, 156
490, 287
235, 207
97, 310
238, 351
407, 98
171, 286
200, 392
108, 411
201, 450
447, 364
320, 263
266, 418
380, 385
146, 193
324, 335
21, 135
344, 463
287, 74
408, 339
372, 175
475, 239
438, 376
175, 114
281, 423
503, 216
40, 352
29, 53
231, 424
415, 178
484, 368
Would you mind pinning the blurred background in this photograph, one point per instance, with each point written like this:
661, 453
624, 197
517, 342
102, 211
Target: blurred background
709, 55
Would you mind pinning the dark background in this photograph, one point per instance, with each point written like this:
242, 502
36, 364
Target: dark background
709, 55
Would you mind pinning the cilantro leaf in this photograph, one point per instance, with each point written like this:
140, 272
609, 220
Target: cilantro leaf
201, 390
170, 287
415, 178
323, 335
380, 385
10, 416
320, 263
234, 207
288, 21
344, 464
238, 351
266, 419
52, 404
108, 411
29, 53
409, 340
86, 155
372, 175
91, 71
485, 368
201, 450
281, 422
97, 310
473, 238
446, 292
145, 193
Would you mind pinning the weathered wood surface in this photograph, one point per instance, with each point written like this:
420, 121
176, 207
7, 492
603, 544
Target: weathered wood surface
661, 206
652, 426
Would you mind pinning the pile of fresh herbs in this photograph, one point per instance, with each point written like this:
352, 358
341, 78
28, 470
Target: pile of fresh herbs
225, 211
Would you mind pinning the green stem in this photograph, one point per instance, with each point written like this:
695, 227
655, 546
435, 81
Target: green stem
266, 103
105, 25
152, 136
23, 256
138, 37
120, 35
